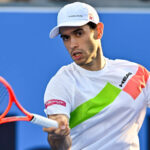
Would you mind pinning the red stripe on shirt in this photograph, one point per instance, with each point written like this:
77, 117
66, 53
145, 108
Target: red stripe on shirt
55, 102
137, 82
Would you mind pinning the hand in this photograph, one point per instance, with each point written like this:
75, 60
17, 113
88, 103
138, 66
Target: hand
59, 138
63, 129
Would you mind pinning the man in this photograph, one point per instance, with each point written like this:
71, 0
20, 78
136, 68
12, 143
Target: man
103, 101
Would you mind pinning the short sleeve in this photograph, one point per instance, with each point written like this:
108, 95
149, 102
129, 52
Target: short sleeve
146, 78
56, 97
148, 92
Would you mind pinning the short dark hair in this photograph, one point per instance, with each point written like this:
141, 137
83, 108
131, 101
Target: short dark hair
92, 25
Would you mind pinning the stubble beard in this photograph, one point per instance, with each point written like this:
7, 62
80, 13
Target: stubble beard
88, 61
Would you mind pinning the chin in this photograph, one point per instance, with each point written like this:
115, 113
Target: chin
80, 63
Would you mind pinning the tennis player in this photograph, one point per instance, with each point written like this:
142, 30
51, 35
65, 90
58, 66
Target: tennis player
99, 103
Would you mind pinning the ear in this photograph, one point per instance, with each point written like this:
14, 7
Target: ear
100, 28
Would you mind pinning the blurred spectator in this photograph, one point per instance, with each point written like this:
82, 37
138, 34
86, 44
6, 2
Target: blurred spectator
21, 0
63, 0
6, 1
145, 0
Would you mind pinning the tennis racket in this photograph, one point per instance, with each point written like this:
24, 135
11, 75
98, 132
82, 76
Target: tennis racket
7, 98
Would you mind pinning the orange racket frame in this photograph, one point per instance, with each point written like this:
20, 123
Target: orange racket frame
34, 118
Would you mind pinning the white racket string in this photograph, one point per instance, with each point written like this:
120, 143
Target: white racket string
4, 95
4, 98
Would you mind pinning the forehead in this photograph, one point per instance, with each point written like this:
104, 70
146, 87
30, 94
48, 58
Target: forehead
67, 30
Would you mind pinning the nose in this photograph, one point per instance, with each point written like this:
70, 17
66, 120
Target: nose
73, 43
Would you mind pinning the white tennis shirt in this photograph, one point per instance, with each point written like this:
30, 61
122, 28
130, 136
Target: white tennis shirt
106, 108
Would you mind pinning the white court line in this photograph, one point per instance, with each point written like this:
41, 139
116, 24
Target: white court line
14, 9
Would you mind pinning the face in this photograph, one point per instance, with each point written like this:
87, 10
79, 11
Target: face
82, 44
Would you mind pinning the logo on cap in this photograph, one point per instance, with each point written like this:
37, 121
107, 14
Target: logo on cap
75, 16
91, 17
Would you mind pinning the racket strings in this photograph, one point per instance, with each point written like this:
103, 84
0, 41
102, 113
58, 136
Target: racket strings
3, 92
4, 97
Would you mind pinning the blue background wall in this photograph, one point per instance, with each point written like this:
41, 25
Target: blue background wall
28, 59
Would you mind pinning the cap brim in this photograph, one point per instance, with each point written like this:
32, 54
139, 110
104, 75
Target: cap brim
55, 31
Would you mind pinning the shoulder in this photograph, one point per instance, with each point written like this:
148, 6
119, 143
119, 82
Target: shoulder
60, 82
67, 69
135, 68
64, 74
123, 64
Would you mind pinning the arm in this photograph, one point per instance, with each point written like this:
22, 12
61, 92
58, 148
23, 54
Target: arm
59, 138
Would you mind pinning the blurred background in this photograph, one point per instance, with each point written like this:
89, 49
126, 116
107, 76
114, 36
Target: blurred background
95, 3
28, 58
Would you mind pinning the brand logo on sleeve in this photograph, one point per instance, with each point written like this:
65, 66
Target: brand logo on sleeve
125, 78
55, 102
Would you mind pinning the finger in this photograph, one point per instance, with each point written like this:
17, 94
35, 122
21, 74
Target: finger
63, 132
50, 130
62, 128
67, 132
63, 124
58, 131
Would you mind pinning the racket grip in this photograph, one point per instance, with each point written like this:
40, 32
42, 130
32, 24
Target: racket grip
43, 121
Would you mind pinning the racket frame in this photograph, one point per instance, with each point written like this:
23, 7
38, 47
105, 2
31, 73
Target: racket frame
34, 118
13, 99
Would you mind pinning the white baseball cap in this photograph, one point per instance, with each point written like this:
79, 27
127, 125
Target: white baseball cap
74, 14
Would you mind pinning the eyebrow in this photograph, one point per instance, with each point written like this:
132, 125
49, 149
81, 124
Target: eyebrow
74, 31
79, 29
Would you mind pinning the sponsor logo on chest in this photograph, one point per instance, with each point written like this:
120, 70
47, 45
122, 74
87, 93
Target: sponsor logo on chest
125, 79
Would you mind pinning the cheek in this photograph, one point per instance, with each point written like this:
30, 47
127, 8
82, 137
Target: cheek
91, 45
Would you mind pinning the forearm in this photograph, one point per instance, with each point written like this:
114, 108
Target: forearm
63, 143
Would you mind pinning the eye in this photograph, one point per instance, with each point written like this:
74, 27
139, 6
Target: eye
78, 33
65, 37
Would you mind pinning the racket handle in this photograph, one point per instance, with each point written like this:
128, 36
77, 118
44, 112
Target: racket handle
43, 121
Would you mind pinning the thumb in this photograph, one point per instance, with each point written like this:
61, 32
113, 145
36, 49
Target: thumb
62, 125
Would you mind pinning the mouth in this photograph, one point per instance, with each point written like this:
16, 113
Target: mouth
76, 55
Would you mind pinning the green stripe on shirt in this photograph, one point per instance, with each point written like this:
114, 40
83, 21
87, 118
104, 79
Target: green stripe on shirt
93, 106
